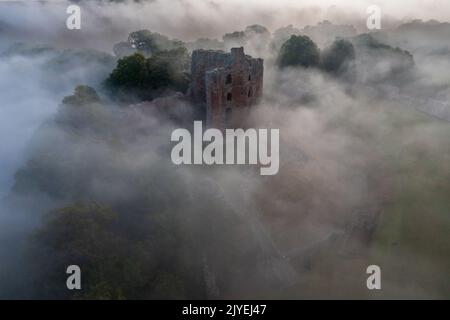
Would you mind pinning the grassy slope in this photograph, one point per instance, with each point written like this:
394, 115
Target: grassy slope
412, 241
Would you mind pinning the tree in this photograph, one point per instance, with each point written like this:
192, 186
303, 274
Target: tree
130, 72
337, 57
115, 263
141, 77
82, 95
151, 42
254, 38
84, 111
171, 68
123, 49
146, 43
281, 35
299, 51
397, 63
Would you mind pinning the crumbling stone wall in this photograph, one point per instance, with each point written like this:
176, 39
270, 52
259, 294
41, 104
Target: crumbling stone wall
227, 84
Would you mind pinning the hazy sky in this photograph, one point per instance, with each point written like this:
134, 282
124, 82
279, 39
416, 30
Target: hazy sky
190, 19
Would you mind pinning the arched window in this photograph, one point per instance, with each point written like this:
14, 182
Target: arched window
250, 92
229, 96
229, 79
249, 77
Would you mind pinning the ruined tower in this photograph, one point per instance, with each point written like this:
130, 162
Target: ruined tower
227, 84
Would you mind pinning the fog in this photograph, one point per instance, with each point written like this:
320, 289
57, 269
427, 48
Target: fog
104, 22
348, 150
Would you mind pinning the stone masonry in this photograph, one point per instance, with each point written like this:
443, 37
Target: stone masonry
227, 84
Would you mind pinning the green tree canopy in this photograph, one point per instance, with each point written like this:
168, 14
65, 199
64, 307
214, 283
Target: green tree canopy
299, 51
114, 265
141, 76
131, 72
336, 58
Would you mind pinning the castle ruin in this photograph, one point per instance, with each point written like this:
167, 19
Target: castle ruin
227, 84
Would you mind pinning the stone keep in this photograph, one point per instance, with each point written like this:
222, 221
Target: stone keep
227, 84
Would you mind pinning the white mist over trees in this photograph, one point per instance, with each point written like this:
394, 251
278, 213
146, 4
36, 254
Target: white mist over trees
363, 173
